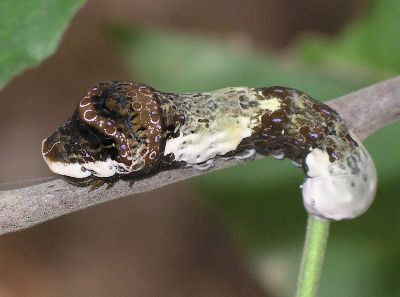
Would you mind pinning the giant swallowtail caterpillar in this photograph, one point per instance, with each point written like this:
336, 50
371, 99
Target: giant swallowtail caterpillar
129, 130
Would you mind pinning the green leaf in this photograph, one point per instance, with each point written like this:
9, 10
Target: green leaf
30, 32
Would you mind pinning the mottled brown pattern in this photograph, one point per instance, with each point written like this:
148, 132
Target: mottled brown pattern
300, 125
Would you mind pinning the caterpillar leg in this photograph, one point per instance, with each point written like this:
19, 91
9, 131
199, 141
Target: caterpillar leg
244, 155
205, 165
247, 154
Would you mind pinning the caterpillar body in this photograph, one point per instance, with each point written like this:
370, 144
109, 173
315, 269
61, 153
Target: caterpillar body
129, 130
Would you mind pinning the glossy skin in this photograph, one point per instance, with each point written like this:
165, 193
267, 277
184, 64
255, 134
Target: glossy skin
128, 130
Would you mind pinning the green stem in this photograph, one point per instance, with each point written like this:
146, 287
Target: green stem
313, 257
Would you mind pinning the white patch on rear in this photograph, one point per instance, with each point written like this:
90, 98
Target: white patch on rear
336, 193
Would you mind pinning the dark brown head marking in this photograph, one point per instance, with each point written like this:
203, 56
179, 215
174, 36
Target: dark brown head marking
90, 113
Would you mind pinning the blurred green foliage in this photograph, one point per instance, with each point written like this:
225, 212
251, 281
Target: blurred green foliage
181, 62
261, 200
30, 32
369, 46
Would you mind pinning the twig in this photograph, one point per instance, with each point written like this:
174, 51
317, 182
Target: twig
313, 257
365, 112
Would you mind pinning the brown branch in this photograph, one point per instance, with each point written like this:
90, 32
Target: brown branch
370, 109
365, 111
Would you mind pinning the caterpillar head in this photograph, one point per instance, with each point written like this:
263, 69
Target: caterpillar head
117, 128
336, 190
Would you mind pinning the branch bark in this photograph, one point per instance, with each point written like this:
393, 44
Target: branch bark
365, 112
